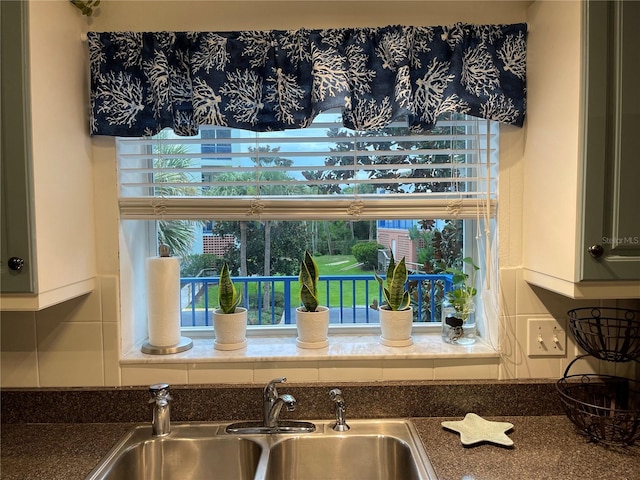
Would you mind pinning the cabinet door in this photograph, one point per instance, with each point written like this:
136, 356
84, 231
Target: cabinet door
15, 141
612, 174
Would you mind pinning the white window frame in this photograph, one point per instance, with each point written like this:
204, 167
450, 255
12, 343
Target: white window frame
142, 208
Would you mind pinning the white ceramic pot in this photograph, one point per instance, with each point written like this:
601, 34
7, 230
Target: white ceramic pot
230, 329
313, 327
396, 326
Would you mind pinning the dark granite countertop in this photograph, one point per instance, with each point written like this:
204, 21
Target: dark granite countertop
545, 447
61, 434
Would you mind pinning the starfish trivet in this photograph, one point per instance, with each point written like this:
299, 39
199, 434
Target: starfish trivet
475, 429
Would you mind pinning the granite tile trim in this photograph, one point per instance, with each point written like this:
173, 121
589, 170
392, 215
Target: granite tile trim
243, 402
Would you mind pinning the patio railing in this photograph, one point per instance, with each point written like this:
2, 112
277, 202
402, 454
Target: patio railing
273, 300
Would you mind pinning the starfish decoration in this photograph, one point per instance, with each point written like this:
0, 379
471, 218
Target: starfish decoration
475, 429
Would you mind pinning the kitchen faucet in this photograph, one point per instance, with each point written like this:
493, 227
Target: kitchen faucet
272, 403
160, 398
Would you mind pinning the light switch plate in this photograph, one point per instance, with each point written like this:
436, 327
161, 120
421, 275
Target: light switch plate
546, 337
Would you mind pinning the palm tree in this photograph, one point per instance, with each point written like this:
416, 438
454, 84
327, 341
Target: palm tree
179, 235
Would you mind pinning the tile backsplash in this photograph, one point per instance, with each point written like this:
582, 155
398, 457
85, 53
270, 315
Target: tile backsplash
76, 344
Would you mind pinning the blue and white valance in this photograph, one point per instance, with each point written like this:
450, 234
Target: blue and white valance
142, 82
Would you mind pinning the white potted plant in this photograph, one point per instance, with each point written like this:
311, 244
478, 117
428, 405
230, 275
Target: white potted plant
458, 307
312, 320
229, 319
395, 313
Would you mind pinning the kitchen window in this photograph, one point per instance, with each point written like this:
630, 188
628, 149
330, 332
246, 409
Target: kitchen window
389, 84
325, 187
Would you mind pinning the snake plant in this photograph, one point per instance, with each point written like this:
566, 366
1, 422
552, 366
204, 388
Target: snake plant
228, 297
309, 282
393, 287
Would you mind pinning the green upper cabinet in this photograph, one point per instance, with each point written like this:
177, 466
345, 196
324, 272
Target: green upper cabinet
48, 227
611, 245
16, 261
581, 220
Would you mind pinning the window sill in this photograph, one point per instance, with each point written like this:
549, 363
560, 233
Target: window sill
354, 347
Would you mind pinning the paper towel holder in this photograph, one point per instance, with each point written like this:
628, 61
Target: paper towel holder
184, 344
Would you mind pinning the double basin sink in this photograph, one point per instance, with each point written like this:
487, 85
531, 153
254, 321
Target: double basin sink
387, 449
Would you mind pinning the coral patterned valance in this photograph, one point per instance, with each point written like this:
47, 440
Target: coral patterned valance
275, 80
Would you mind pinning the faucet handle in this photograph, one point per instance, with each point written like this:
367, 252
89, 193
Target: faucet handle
159, 393
159, 387
277, 380
270, 390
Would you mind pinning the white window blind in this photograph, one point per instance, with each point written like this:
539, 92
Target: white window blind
322, 172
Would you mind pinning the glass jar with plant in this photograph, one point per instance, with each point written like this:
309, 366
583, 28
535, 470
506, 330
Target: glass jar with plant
458, 307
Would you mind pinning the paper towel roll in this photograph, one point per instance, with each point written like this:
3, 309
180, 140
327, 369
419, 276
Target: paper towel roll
163, 301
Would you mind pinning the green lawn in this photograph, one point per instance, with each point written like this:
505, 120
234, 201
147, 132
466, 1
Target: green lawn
343, 265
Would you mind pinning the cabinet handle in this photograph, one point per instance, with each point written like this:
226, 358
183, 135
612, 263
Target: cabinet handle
15, 263
595, 251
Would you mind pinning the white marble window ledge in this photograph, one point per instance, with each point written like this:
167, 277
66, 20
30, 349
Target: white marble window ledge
341, 347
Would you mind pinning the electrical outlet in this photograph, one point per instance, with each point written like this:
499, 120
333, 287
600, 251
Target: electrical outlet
546, 337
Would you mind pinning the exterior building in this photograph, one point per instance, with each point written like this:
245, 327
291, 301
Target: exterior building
216, 244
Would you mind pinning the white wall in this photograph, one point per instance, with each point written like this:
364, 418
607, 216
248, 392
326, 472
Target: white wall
78, 343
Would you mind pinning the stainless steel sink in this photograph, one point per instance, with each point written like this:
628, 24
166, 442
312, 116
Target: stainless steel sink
194, 451
366, 457
371, 450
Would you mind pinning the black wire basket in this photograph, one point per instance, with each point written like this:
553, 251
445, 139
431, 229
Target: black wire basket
605, 408
611, 334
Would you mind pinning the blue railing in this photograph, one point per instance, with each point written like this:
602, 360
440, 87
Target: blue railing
278, 298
